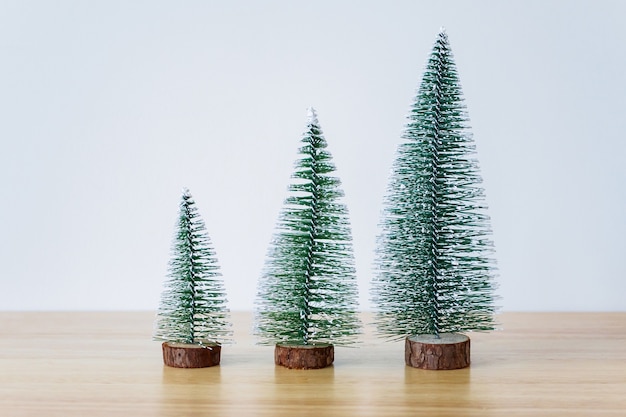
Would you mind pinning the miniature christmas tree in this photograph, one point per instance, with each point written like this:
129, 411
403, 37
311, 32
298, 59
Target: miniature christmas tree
307, 293
192, 319
435, 266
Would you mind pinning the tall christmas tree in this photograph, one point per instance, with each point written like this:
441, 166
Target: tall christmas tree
435, 266
307, 292
193, 305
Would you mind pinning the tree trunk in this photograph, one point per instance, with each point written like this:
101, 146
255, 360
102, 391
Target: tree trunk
304, 356
183, 355
426, 351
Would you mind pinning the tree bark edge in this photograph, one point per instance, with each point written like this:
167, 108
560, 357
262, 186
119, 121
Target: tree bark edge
449, 351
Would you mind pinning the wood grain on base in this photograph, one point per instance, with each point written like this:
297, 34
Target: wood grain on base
304, 356
448, 351
182, 355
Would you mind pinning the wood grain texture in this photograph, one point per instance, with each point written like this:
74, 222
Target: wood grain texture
304, 357
104, 364
182, 355
448, 351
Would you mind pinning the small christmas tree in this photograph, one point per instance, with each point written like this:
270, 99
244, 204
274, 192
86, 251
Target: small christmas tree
307, 293
192, 316
434, 261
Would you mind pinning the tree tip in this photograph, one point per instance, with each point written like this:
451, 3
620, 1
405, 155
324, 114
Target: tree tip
312, 116
186, 192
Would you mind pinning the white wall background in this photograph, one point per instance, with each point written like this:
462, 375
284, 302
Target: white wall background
108, 108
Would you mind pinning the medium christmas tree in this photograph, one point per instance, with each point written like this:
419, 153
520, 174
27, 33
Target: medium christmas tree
435, 266
193, 305
307, 293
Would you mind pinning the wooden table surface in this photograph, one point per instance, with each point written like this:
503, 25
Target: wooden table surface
105, 364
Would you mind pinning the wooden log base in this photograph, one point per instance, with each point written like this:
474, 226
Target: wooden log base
183, 355
426, 351
304, 356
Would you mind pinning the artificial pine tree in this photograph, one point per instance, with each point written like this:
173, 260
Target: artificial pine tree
192, 320
435, 267
307, 296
